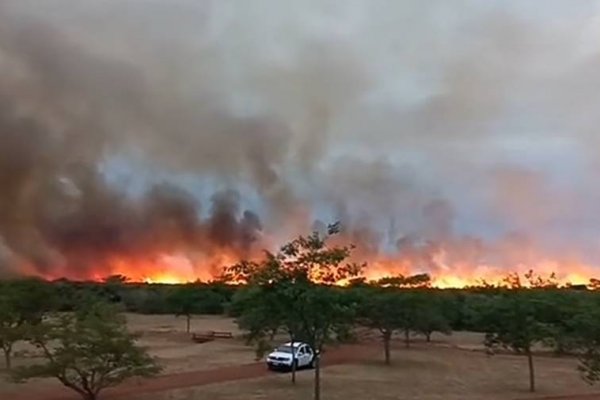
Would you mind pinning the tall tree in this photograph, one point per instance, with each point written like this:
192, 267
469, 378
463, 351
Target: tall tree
511, 321
256, 311
304, 262
586, 336
267, 304
21, 302
408, 313
35, 299
413, 310
295, 274
184, 301
194, 298
559, 315
10, 325
88, 351
430, 316
323, 312
380, 309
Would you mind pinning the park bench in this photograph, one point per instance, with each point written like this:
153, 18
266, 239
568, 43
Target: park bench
210, 336
222, 335
202, 338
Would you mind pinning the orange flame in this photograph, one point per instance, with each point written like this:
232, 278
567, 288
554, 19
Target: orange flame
444, 273
177, 269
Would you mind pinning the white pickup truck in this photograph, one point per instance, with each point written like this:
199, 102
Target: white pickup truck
281, 357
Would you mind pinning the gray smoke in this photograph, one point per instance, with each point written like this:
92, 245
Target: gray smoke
462, 126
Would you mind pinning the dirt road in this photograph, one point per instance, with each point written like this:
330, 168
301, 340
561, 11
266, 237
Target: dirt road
137, 389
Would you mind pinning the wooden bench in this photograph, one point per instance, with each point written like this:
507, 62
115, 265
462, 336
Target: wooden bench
202, 338
210, 336
222, 335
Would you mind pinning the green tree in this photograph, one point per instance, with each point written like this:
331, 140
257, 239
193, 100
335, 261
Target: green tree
408, 313
255, 309
10, 326
35, 298
414, 311
184, 301
88, 351
430, 316
380, 309
586, 324
561, 308
300, 264
511, 321
201, 298
323, 311
293, 277
263, 310
21, 302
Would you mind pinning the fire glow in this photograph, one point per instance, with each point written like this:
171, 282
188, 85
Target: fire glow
180, 270
119, 160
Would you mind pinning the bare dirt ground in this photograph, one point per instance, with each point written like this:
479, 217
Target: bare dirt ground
165, 337
141, 389
423, 373
450, 368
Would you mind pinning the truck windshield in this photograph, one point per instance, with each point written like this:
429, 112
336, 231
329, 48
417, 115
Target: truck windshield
285, 349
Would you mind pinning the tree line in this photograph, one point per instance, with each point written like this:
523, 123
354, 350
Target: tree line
292, 291
87, 349
134, 297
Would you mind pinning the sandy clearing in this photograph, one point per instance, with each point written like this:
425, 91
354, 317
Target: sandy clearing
444, 369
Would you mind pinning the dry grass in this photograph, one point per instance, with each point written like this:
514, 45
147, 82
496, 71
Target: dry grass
445, 369
423, 373
165, 337
170, 323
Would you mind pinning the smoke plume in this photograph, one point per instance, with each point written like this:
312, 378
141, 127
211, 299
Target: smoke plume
447, 138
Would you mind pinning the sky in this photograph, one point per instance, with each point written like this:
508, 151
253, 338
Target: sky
440, 120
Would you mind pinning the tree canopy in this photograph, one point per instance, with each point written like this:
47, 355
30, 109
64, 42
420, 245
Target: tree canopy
87, 351
289, 289
511, 321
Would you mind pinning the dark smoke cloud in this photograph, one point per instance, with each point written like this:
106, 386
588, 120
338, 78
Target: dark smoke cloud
426, 127
60, 108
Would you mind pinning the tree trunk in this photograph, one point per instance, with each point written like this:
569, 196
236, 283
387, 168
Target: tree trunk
7, 358
317, 394
293, 362
407, 338
531, 371
428, 337
386, 346
561, 348
86, 394
188, 318
89, 396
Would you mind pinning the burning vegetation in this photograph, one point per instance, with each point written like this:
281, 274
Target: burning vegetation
119, 157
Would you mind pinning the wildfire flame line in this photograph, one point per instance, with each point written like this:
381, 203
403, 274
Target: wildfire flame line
179, 270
